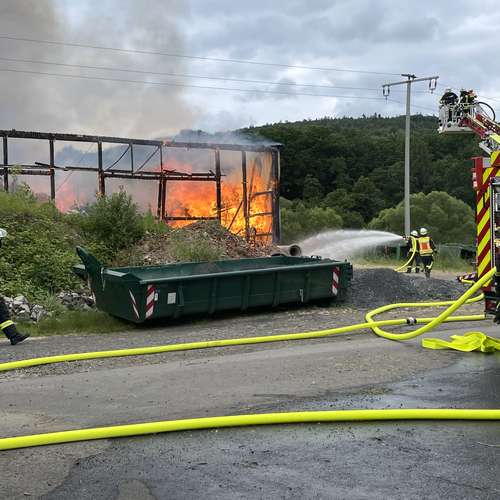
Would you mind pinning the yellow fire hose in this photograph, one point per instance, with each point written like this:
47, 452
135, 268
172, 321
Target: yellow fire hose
245, 420
410, 259
273, 418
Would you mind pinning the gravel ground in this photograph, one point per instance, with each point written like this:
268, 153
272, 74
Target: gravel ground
372, 288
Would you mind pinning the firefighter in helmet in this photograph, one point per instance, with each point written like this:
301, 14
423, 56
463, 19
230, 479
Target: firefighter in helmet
413, 252
6, 324
426, 250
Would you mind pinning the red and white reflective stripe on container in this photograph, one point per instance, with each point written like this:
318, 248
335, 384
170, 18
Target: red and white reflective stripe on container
150, 301
335, 280
134, 304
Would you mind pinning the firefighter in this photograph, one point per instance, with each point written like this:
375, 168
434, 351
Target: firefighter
6, 324
415, 261
426, 250
448, 101
449, 98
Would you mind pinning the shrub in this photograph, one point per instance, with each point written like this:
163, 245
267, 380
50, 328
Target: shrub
111, 224
37, 255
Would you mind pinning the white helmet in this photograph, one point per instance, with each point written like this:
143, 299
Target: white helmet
3, 233
414, 233
423, 231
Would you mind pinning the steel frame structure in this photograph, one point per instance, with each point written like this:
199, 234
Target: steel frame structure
162, 177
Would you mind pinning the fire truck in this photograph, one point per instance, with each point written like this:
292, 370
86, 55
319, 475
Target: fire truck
460, 114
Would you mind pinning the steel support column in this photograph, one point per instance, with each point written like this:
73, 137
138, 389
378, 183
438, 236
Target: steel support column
275, 173
245, 193
52, 171
100, 171
218, 191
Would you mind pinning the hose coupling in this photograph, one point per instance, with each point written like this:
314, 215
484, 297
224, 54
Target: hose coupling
411, 321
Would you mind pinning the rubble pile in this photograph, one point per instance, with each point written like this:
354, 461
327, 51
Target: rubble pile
161, 248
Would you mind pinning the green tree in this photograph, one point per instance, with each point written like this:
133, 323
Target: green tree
343, 202
448, 220
340, 199
299, 222
368, 199
313, 190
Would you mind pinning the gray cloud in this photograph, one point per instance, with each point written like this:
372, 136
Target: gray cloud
456, 40
51, 103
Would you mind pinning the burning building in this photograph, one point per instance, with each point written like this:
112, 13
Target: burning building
180, 182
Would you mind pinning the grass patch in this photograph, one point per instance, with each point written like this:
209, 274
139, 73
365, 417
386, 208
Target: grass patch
76, 322
441, 263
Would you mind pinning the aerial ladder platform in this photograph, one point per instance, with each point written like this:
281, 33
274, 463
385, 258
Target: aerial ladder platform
459, 114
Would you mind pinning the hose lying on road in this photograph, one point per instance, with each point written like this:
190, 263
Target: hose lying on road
445, 316
270, 418
245, 420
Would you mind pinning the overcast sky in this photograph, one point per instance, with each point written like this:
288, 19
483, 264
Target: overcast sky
452, 39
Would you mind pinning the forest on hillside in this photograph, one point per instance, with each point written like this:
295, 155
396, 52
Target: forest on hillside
354, 167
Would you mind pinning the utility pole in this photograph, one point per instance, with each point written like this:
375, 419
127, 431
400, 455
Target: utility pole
386, 89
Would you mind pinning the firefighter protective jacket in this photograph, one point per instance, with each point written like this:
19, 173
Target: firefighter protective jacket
425, 245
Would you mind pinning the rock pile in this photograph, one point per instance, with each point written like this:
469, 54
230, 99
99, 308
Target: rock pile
20, 308
76, 301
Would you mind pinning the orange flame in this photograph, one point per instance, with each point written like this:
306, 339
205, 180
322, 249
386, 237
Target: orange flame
192, 199
67, 198
198, 199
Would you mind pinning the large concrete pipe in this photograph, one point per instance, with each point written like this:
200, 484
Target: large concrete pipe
288, 250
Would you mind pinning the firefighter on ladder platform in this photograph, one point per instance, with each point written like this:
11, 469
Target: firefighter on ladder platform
426, 250
469, 115
6, 324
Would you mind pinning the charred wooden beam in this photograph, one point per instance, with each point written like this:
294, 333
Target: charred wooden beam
189, 218
55, 136
218, 190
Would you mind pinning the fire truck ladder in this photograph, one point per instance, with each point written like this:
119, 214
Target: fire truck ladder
484, 127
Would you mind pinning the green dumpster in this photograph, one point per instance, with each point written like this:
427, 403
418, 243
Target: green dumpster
138, 294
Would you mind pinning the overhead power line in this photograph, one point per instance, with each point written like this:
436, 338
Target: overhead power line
172, 84
186, 56
187, 75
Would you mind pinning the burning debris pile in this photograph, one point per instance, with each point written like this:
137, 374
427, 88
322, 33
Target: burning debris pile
201, 241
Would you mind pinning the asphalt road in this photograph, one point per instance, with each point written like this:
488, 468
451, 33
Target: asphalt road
362, 460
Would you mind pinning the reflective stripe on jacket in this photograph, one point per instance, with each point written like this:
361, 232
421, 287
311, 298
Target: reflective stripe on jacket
424, 245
